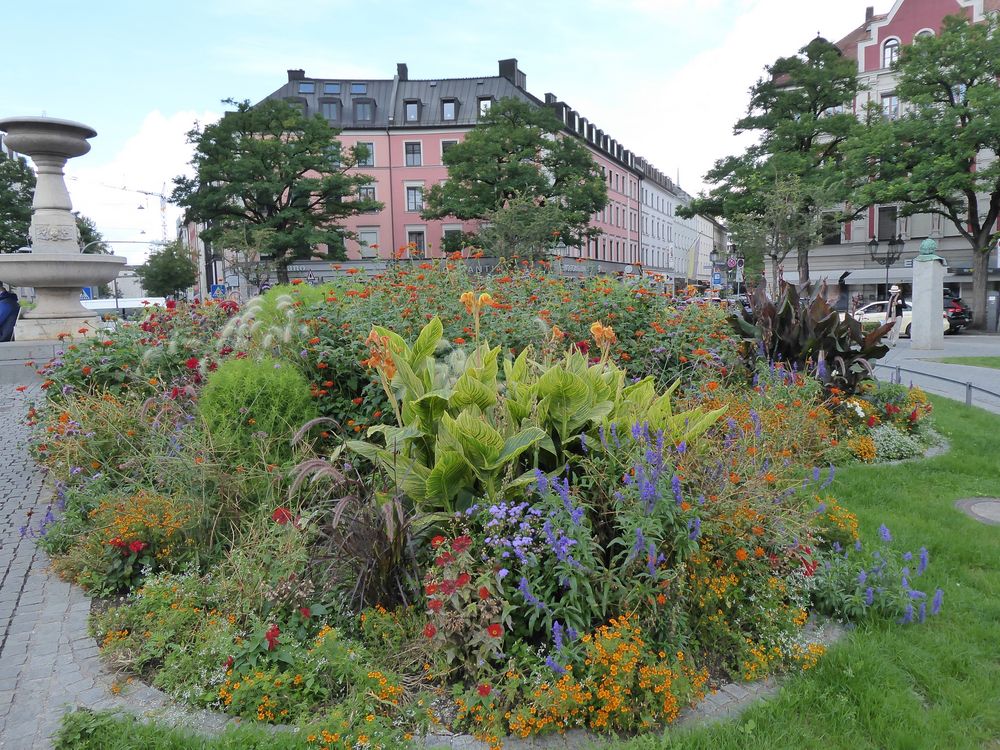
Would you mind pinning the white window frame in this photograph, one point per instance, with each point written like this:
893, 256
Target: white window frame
892, 43
365, 248
420, 153
407, 186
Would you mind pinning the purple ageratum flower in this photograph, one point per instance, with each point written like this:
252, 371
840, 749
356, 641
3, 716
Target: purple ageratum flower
924, 560
937, 601
502, 573
883, 532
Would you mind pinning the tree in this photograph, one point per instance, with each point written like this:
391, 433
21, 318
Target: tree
243, 247
801, 109
517, 152
91, 240
168, 271
933, 159
17, 185
524, 227
269, 166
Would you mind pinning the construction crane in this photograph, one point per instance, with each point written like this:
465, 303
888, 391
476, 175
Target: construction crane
164, 199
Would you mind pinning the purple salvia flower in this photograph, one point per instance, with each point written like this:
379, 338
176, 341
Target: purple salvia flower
694, 528
884, 534
857, 545
675, 485
829, 479
554, 665
682, 446
557, 635
542, 481
907, 617
922, 612
651, 559
869, 596
815, 473
604, 439
907, 556
862, 577
924, 560
937, 601
583, 442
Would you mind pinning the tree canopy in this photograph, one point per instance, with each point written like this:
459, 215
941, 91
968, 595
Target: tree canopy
168, 271
518, 152
932, 159
269, 166
801, 111
17, 184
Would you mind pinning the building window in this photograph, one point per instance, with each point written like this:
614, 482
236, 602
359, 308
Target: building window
299, 104
367, 158
328, 110
415, 239
413, 155
445, 145
485, 102
886, 223
363, 111
890, 53
331, 88
367, 193
831, 229
307, 87
890, 106
412, 111
449, 109
359, 89
414, 198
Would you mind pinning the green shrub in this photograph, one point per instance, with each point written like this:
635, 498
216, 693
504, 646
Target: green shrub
891, 444
252, 409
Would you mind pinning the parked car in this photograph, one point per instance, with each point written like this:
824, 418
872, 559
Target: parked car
959, 314
874, 312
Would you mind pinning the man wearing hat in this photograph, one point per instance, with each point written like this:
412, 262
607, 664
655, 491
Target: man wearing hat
9, 309
894, 313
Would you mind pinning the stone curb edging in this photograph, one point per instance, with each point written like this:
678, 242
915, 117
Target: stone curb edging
983, 509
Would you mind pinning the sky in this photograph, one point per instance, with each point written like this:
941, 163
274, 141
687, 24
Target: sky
666, 78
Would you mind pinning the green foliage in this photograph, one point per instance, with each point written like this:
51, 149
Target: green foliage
518, 151
269, 166
17, 184
90, 237
929, 159
893, 445
522, 227
809, 336
801, 110
252, 409
168, 271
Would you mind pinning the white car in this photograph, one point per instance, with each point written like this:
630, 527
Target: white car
874, 312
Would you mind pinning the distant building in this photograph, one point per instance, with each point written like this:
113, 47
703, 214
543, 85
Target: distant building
408, 125
875, 45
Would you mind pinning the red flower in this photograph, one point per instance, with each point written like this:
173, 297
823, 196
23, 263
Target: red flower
461, 544
495, 630
463, 579
871, 421
192, 364
171, 304
305, 612
281, 515
484, 593
913, 416
228, 663
484, 689
430, 630
137, 546
448, 587
438, 541
442, 560
430, 589
434, 605
583, 347
117, 542
271, 636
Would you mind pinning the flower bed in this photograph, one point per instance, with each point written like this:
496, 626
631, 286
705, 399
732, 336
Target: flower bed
537, 529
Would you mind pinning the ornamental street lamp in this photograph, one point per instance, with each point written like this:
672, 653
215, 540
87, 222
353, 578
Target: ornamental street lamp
892, 253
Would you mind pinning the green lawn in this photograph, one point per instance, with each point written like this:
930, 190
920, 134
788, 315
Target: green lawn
993, 362
885, 686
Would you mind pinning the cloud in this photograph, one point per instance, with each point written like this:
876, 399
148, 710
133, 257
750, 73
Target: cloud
110, 192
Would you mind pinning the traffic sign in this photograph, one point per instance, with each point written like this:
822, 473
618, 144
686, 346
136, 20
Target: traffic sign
217, 291
86, 293
731, 261
740, 262
716, 279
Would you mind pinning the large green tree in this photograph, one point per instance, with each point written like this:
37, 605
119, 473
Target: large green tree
937, 158
91, 239
519, 152
801, 112
168, 271
17, 185
269, 166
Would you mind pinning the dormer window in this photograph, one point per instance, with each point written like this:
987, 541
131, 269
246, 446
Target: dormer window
330, 109
307, 87
449, 109
412, 112
890, 53
359, 89
364, 110
331, 88
485, 102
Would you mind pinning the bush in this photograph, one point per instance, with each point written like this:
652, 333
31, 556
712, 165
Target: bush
891, 444
253, 408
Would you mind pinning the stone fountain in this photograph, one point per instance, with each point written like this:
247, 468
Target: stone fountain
55, 267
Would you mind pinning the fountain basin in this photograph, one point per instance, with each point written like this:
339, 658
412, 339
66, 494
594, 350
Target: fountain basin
47, 135
57, 280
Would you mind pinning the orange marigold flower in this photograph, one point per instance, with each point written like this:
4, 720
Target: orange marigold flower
741, 554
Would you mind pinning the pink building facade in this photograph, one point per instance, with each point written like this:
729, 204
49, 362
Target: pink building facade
407, 126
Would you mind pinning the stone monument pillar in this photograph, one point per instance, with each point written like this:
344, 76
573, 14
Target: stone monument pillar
927, 328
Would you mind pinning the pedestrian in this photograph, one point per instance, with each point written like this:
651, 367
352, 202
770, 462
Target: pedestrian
894, 313
9, 310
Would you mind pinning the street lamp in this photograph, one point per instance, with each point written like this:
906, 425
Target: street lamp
714, 257
893, 252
